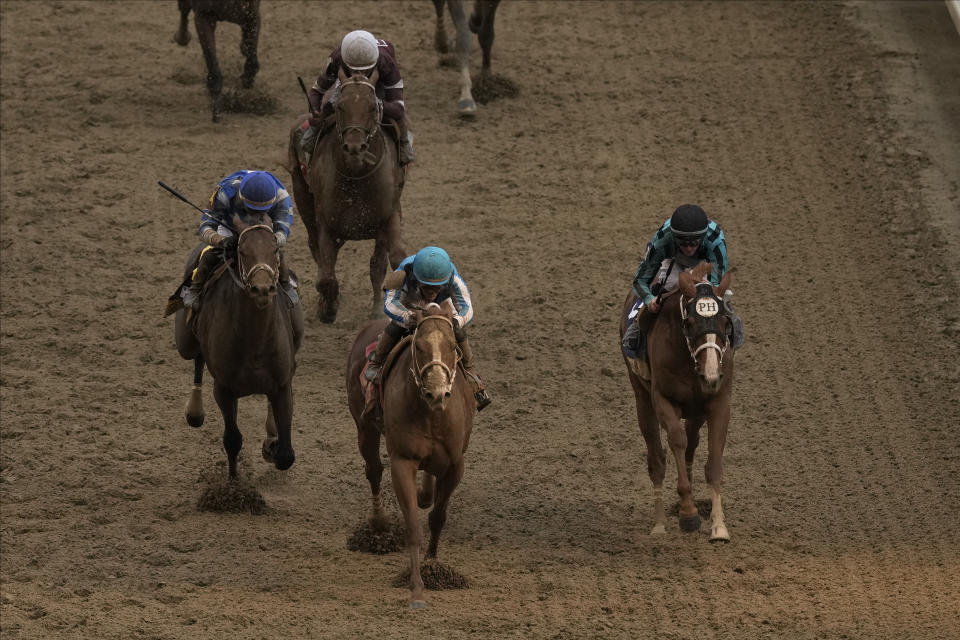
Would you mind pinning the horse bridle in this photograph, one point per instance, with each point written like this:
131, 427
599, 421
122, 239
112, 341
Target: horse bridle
368, 133
418, 370
246, 274
719, 313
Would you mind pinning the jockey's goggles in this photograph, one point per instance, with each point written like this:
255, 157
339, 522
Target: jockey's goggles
689, 243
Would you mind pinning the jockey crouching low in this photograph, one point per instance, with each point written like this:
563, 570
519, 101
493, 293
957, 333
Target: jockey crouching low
428, 276
360, 52
688, 238
245, 194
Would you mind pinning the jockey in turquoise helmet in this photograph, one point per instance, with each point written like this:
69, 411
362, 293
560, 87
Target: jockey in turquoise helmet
249, 195
427, 276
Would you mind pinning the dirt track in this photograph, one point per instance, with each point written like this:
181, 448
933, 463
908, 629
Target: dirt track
843, 460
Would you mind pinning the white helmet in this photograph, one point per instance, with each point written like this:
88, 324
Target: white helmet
359, 50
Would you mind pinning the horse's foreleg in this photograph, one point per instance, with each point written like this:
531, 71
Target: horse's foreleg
717, 424
404, 474
656, 456
327, 285
440, 35
232, 439
194, 410
378, 269
182, 36
281, 405
368, 441
693, 440
206, 33
466, 106
445, 485
485, 10
250, 33
395, 249
669, 416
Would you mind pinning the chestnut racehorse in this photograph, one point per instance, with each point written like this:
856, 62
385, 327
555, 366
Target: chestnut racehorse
350, 191
428, 409
690, 382
247, 335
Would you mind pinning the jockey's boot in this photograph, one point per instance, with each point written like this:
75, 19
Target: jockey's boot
635, 340
208, 262
307, 141
405, 149
479, 392
388, 340
286, 284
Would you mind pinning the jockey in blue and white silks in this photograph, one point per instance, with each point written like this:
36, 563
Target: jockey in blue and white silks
425, 277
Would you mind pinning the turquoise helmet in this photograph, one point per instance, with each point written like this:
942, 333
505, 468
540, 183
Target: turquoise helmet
432, 266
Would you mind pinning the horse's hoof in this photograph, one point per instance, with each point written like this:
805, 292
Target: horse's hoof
719, 534
424, 501
182, 39
419, 604
690, 524
195, 420
283, 461
467, 108
658, 530
268, 448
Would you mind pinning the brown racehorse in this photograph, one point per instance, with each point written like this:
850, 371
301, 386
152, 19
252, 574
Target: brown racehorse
428, 414
350, 191
247, 335
480, 23
206, 14
690, 382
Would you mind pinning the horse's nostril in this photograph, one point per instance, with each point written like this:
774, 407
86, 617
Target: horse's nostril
446, 395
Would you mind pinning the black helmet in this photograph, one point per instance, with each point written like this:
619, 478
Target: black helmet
689, 222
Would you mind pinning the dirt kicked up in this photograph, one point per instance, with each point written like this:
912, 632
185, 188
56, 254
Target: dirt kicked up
842, 462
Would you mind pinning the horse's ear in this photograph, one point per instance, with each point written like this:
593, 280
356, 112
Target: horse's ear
724, 285
342, 75
687, 283
701, 270
374, 76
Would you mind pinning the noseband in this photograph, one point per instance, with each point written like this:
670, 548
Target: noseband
708, 309
368, 133
246, 274
418, 370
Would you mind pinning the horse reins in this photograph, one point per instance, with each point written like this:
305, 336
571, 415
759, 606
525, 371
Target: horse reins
417, 370
260, 266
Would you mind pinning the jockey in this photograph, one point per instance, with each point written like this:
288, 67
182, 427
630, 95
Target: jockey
360, 52
427, 276
245, 194
685, 240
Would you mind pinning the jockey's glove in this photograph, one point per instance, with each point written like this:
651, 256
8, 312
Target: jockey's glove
228, 243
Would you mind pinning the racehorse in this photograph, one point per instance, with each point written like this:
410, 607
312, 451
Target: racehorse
206, 14
247, 336
690, 382
480, 23
427, 419
350, 191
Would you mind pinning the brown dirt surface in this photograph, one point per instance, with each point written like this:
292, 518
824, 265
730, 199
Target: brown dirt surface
797, 125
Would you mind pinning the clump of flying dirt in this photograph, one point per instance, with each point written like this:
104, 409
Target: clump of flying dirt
223, 495
491, 86
436, 577
379, 540
248, 101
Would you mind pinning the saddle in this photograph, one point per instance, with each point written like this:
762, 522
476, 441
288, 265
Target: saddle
371, 393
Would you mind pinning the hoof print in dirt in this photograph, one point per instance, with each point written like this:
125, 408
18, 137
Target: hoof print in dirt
379, 540
436, 577
492, 86
231, 496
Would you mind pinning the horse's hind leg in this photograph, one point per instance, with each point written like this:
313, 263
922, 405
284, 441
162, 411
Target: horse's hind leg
404, 474
484, 12
182, 36
693, 441
368, 441
232, 440
250, 30
656, 456
378, 269
426, 492
206, 32
194, 410
269, 444
466, 106
281, 406
440, 35
438, 515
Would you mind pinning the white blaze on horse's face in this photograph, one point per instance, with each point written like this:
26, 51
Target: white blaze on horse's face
435, 360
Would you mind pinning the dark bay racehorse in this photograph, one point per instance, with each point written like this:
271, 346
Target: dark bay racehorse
428, 411
206, 14
247, 335
480, 23
350, 191
690, 382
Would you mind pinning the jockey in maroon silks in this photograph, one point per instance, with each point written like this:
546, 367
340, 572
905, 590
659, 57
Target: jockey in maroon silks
360, 52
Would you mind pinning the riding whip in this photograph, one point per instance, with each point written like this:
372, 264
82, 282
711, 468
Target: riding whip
178, 195
305, 93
